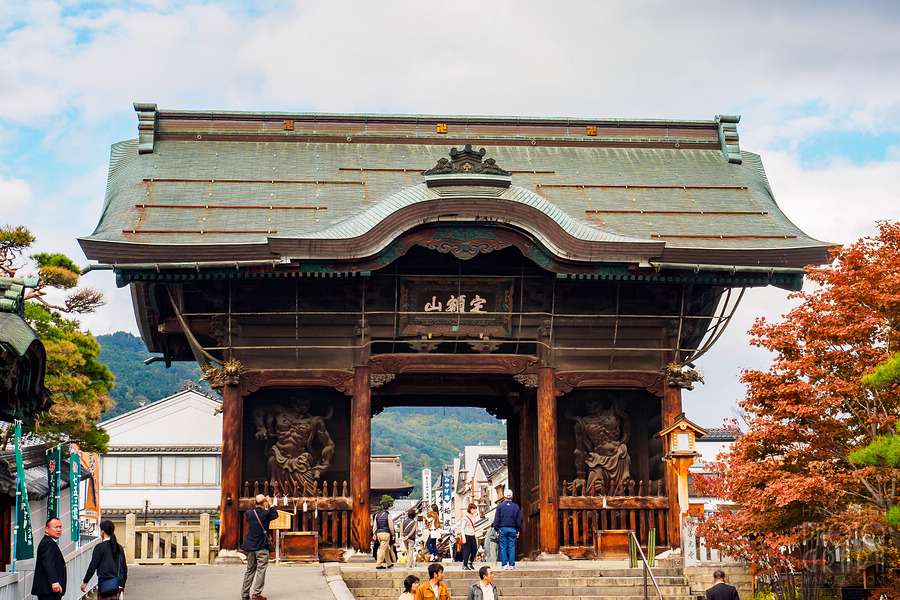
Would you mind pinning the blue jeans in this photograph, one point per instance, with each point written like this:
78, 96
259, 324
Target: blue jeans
431, 544
508, 546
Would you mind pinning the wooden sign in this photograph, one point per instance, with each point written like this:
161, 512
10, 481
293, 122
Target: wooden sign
282, 522
464, 308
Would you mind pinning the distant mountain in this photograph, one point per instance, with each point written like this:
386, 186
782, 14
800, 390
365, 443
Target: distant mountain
137, 383
432, 436
423, 436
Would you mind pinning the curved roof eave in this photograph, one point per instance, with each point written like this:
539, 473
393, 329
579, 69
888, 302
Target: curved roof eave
373, 229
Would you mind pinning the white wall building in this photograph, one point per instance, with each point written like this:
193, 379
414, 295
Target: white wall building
167, 452
471, 470
716, 440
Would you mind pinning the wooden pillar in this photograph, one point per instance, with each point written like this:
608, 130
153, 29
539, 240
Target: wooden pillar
360, 456
671, 408
549, 458
526, 468
232, 435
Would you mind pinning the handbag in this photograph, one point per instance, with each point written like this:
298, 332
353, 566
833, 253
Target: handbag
270, 543
108, 586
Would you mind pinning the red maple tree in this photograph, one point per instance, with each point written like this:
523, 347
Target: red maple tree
790, 474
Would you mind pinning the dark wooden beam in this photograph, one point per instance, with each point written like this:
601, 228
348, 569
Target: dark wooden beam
360, 456
232, 434
613, 502
549, 460
312, 502
526, 466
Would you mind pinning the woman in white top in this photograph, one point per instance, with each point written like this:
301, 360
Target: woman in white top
470, 544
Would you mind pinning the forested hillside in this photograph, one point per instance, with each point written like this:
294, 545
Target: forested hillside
432, 437
137, 383
423, 437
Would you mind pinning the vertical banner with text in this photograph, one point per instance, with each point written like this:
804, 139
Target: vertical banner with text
75, 490
91, 462
24, 534
426, 487
54, 468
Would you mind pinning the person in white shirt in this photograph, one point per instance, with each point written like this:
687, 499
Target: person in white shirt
485, 588
470, 544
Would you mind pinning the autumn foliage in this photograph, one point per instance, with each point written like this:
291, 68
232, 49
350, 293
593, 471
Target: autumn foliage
791, 472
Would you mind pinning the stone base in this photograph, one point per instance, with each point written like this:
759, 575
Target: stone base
360, 557
230, 557
556, 557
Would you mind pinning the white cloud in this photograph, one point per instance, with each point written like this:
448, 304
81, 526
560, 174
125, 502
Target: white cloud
839, 202
15, 198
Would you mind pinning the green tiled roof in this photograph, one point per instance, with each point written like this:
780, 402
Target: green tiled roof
230, 186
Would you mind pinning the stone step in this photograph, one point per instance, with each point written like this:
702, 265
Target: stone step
520, 572
592, 596
511, 581
540, 592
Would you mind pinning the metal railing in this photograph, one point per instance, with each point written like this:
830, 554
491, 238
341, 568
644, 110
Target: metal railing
637, 551
17, 586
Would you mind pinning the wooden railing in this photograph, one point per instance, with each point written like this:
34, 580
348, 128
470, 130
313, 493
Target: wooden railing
167, 544
323, 508
638, 506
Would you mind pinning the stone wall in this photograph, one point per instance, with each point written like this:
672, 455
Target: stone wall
737, 574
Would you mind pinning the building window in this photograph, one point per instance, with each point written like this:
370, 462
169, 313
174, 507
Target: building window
165, 470
190, 470
130, 470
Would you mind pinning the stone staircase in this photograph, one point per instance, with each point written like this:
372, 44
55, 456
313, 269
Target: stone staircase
528, 581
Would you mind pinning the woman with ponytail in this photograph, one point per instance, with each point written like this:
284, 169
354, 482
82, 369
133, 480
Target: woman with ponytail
108, 561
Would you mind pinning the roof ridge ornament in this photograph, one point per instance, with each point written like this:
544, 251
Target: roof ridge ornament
467, 167
146, 112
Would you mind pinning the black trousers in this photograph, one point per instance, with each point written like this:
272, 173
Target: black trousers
469, 550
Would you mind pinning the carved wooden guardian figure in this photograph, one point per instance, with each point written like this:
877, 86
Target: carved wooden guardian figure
601, 450
291, 433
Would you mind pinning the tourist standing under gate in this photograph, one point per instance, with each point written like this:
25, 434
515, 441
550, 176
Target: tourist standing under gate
433, 524
470, 544
508, 525
382, 532
256, 545
408, 537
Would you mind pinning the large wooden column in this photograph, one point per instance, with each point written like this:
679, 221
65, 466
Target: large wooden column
232, 435
671, 408
549, 458
360, 459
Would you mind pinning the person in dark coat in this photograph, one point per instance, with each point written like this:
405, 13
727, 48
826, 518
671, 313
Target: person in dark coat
256, 545
50, 567
108, 561
721, 590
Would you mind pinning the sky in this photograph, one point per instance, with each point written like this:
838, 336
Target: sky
817, 85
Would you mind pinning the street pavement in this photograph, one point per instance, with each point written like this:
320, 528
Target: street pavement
305, 582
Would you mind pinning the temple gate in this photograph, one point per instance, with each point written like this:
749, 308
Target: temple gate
560, 273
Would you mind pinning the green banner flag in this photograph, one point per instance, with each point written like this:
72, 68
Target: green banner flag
54, 468
75, 491
24, 535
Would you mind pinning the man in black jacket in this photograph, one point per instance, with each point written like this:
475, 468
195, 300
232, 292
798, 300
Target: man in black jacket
721, 590
256, 545
50, 567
